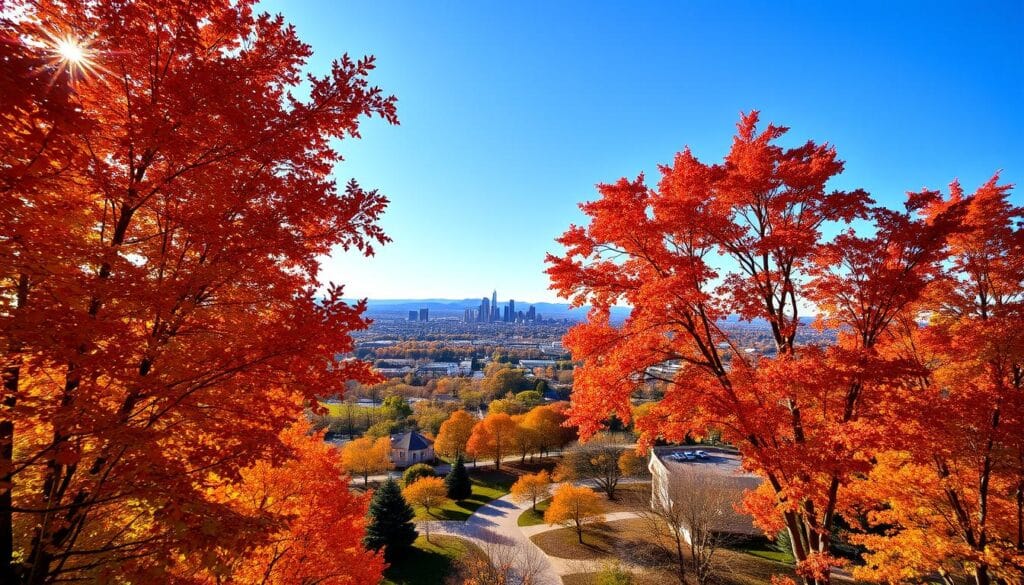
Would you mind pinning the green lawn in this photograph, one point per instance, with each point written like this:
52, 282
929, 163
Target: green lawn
428, 563
762, 548
531, 518
487, 485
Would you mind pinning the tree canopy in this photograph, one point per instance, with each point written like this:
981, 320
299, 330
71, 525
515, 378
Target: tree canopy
746, 237
165, 200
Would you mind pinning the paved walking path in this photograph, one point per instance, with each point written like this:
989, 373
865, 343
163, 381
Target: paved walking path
494, 527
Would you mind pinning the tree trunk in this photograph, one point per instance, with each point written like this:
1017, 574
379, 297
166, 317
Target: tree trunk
680, 556
981, 576
11, 380
1020, 516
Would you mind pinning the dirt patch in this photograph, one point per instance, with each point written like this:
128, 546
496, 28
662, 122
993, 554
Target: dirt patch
633, 542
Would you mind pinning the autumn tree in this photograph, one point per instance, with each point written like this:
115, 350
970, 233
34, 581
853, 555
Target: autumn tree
745, 237
954, 494
574, 506
454, 434
492, 437
524, 439
390, 525
318, 527
598, 461
176, 287
532, 487
365, 456
426, 492
546, 423
501, 379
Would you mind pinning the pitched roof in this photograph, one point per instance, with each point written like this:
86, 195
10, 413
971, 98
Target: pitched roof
411, 441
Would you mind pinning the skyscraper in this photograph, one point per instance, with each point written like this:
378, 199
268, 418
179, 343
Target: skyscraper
424, 314
494, 298
485, 310
511, 311
412, 315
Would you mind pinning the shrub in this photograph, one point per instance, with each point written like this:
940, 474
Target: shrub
416, 472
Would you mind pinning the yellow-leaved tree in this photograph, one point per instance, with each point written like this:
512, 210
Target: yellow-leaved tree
574, 506
365, 456
532, 487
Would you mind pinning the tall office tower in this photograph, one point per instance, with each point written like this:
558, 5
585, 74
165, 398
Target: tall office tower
424, 314
467, 316
511, 310
485, 310
495, 313
412, 315
494, 300
531, 313
504, 317
520, 317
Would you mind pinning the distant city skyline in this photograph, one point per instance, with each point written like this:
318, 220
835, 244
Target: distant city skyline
507, 122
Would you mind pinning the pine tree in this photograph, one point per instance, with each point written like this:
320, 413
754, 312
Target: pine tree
457, 481
390, 524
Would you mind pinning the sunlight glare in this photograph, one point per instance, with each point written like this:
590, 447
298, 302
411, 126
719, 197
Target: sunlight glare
70, 50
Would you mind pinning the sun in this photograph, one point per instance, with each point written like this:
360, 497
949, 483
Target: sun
70, 50
71, 56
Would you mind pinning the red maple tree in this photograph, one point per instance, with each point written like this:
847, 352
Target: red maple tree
162, 218
745, 237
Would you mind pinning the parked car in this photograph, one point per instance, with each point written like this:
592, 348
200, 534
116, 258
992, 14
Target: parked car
689, 456
702, 454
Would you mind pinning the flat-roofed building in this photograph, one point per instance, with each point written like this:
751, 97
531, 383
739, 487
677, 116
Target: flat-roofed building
675, 471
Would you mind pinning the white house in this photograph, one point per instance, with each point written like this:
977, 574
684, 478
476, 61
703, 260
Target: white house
669, 465
411, 448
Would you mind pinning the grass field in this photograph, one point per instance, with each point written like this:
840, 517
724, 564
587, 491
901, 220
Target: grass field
487, 485
428, 563
339, 409
761, 548
531, 518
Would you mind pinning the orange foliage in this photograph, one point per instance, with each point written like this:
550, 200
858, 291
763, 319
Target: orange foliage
317, 522
428, 492
745, 237
454, 434
574, 506
532, 487
492, 437
365, 456
954, 494
163, 214
546, 424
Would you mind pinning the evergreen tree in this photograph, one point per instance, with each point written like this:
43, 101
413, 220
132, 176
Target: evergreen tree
457, 481
390, 524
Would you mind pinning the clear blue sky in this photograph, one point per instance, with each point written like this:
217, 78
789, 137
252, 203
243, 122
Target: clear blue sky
512, 111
